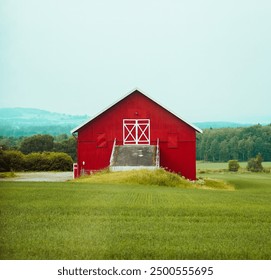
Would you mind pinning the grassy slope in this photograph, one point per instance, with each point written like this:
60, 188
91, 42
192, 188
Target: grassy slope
158, 177
129, 221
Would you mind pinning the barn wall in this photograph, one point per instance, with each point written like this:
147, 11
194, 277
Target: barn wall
177, 139
180, 160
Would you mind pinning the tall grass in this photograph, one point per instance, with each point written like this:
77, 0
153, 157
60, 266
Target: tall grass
7, 175
157, 177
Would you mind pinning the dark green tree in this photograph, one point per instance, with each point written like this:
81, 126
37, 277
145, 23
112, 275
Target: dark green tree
224, 151
12, 161
214, 150
233, 147
37, 143
255, 164
67, 146
233, 165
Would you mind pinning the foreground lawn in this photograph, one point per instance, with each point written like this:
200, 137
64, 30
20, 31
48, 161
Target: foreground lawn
123, 221
216, 166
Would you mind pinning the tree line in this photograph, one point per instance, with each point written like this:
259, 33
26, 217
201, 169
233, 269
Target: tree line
40, 143
37, 153
217, 145
224, 144
11, 160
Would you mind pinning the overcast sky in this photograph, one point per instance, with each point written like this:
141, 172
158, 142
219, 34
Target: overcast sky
205, 60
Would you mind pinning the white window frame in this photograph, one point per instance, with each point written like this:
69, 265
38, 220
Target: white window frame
136, 132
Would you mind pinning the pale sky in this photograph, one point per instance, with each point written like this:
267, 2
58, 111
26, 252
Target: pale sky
205, 60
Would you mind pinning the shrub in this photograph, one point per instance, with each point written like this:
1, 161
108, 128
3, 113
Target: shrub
12, 160
48, 162
255, 164
60, 162
37, 162
3, 164
233, 165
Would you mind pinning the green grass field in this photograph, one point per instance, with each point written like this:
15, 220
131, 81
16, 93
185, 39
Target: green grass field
84, 220
216, 166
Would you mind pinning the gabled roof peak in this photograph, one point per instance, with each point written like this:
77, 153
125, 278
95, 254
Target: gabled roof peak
125, 96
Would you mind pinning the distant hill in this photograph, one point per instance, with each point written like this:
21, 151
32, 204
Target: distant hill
205, 125
18, 122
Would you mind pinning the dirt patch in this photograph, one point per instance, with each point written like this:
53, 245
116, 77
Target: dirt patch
40, 177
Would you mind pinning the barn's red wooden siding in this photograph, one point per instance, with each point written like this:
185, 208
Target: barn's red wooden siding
176, 137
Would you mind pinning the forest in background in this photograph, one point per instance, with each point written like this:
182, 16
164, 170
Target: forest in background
243, 143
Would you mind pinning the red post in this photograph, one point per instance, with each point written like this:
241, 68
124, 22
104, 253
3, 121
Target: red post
75, 170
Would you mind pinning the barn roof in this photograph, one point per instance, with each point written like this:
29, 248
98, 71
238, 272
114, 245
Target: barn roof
131, 92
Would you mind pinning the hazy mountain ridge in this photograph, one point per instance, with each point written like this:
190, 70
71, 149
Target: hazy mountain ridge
206, 125
29, 121
32, 114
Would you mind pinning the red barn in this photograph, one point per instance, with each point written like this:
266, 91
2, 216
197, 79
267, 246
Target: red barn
136, 132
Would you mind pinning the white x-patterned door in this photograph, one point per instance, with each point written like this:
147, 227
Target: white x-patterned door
136, 132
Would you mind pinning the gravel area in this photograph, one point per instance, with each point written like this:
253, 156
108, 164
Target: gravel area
40, 177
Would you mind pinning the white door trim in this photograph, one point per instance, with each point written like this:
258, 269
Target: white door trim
136, 132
